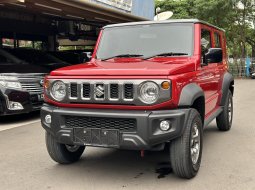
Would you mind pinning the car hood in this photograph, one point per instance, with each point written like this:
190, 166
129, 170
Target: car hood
128, 67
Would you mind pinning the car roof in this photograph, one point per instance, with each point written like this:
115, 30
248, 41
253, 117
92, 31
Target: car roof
193, 21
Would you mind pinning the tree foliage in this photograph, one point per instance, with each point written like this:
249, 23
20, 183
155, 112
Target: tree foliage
235, 16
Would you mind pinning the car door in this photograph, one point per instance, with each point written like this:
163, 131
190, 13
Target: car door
207, 77
220, 67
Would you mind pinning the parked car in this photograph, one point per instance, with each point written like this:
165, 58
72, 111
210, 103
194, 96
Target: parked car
37, 57
252, 71
21, 85
150, 83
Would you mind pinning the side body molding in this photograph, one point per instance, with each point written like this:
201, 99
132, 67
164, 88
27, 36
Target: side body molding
189, 94
226, 84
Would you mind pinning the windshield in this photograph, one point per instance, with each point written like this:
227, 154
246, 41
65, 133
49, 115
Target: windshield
6, 57
35, 56
147, 40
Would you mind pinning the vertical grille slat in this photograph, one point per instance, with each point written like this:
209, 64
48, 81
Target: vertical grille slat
73, 90
86, 91
114, 91
129, 91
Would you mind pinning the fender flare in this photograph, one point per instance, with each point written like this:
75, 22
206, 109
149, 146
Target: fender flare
226, 83
189, 94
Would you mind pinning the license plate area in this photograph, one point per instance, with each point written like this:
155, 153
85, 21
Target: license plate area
97, 137
40, 97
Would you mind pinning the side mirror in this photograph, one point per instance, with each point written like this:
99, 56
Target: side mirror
214, 55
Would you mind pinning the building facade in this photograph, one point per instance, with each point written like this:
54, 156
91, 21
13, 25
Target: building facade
142, 8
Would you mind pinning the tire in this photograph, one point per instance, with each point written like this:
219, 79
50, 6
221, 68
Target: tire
183, 163
224, 120
61, 153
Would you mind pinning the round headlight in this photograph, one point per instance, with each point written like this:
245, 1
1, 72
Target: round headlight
58, 90
149, 92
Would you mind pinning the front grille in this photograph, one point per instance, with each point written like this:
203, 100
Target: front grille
121, 124
101, 91
33, 88
32, 83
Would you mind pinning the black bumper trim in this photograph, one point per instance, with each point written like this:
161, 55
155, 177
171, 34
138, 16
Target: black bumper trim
145, 137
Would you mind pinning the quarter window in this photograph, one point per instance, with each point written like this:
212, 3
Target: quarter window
217, 40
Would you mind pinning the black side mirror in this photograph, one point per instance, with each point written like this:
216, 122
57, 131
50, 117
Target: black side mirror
214, 55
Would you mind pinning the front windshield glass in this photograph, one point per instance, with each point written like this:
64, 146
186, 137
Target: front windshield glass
35, 56
146, 40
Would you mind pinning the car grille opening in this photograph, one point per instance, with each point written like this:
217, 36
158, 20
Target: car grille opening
73, 90
129, 91
122, 124
114, 91
86, 90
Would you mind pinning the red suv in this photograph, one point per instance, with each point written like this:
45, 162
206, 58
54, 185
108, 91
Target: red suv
148, 84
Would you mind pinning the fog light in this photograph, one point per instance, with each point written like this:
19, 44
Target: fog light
15, 106
48, 119
165, 125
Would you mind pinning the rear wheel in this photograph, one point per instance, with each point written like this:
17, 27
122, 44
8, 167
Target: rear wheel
186, 151
61, 153
224, 120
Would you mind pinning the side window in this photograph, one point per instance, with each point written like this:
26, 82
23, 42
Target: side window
217, 40
206, 41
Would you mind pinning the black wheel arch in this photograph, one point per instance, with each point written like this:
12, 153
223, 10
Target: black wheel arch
227, 84
192, 96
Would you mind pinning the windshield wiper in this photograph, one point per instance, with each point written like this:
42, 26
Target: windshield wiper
122, 55
165, 55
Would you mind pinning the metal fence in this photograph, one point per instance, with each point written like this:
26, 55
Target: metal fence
239, 67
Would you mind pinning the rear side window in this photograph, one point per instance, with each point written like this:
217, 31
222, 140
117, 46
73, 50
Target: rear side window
206, 41
217, 40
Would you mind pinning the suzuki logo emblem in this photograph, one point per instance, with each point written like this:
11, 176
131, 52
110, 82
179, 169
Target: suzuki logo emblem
99, 91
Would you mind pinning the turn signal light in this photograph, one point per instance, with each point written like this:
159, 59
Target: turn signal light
46, 84
165, 85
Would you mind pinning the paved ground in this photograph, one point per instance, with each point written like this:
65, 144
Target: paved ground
10, 122
228, 159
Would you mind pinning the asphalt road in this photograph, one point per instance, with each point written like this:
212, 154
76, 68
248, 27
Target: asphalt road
228, 160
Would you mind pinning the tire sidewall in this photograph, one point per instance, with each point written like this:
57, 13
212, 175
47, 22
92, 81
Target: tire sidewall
229, 98
197, 119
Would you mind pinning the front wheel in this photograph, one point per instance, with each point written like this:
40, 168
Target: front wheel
61, 153
186, 151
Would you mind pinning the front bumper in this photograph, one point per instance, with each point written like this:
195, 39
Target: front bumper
145, 136
28, 101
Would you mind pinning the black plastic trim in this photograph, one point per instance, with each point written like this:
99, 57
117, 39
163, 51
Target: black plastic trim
189, 94
145, 137
227, 80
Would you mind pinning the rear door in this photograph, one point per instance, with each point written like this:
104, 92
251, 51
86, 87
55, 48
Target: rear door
219, 42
